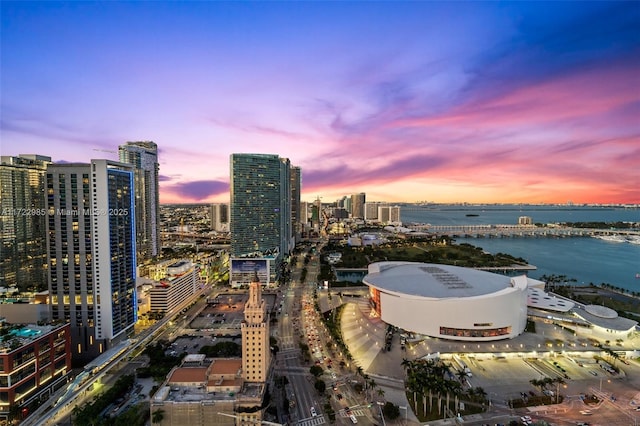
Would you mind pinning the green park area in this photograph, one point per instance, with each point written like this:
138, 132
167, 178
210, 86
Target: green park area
441, 250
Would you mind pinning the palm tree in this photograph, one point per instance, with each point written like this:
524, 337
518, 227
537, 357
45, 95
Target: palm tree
406, 364
558, 381
372, 386
439, 387
380, 392
537, 383
482, 394
453, 388
461, 374
613, 356
424, 401
157, 416
471, 393
413, 386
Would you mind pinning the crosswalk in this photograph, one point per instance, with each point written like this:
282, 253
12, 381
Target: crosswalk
287, 342
357, 413
312, 421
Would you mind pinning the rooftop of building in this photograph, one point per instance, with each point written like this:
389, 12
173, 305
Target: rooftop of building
603, 317
435, 280
537, 298
188, 375
225, 383
252, 390
224, 366
181, 393
179, 264
13, 336
194, 358
187, 392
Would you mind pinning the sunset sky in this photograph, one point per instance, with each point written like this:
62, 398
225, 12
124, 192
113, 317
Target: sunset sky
405, 101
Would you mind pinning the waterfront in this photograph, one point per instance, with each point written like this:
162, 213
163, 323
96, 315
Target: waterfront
588, 260
508, 214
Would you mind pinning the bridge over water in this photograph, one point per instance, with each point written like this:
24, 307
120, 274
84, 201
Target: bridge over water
515, 231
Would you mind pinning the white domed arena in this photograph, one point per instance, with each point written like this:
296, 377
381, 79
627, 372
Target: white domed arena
448, 302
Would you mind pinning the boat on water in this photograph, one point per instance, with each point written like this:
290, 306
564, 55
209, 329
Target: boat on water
471, 215
633, 239
612, 238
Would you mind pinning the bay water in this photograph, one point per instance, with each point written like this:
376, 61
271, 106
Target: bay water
585, 259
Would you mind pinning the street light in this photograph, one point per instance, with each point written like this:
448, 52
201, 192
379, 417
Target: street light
608, 381
382, 415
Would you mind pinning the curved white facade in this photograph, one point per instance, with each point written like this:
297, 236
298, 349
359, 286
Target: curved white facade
448, 302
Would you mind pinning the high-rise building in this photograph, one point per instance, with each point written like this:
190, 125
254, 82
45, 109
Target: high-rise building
388, 214
383, 214
525, 220
394, 214
371, 212
91, 248
345, 203
144, 157
287, 238
256, 354
357, 205
296, 188
219, 215
260, 206
305, 218
316, 212
304, 213
23, 222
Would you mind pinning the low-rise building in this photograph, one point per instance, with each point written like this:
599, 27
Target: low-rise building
181, 280
34, 361
208, 392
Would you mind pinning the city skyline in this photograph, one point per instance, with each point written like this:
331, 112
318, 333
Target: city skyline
403, 101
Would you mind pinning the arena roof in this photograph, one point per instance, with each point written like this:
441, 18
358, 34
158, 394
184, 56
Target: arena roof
617, 323
434, 280
536, 298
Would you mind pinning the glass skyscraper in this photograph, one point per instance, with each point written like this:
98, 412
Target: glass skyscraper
296, 187
143, 155
23, 249
260, 205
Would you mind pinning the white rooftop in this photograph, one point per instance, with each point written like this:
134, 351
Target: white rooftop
434, 280
537, 298
194, 358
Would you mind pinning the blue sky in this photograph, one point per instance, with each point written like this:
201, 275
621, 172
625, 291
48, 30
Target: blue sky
406, 101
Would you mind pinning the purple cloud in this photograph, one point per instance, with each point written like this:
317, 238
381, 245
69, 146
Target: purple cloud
199, 189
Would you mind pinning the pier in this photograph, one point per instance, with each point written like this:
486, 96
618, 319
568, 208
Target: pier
516, 231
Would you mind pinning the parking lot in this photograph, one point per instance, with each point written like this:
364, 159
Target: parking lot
227, 312
192, 344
